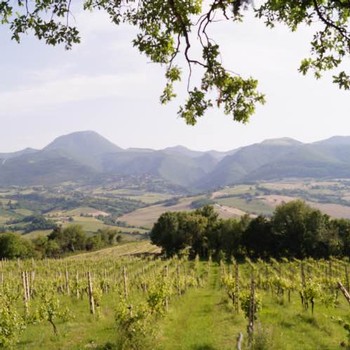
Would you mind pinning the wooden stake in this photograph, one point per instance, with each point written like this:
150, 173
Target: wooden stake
252, 310
67, 282
166, 275
125, 281
25, 291
77, 285
239, 341
236, 304
91, 296
344, 291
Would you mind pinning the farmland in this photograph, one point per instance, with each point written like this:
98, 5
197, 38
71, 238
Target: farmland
143, 302
136, 210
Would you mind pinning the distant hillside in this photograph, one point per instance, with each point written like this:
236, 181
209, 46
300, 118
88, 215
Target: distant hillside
5, 156
42, 168
86, 147
86, 156
318, 160
236, 167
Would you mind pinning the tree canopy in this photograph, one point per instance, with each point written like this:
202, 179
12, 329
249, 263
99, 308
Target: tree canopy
168, 30
295, 230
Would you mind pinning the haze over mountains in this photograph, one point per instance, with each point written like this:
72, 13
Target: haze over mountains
87, 157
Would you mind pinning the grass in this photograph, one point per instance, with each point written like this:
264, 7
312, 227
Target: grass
204, 319
236, 190
254, 206
293, 328
145, 197
36, 234
81, 332
201, 319
146, 217
119, 250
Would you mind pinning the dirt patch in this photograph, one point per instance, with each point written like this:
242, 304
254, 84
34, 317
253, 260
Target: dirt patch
333, 210
146, 217
274, 200
226, 212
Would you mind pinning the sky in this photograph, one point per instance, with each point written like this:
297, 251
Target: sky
105, 85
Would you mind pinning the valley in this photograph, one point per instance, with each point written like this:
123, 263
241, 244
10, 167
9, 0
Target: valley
133, 211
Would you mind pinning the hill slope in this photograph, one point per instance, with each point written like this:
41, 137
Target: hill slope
87, 156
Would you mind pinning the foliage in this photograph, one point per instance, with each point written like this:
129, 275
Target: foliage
295, 230
31, 223
246, 301
11, 322
13, 246
70, 238
132, 325
167, 31
50, 308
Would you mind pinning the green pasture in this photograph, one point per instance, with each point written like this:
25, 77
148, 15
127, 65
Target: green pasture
253, 206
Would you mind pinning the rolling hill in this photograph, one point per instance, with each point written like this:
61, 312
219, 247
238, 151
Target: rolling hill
87, 156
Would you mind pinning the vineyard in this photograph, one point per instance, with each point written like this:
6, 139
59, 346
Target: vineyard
140, 301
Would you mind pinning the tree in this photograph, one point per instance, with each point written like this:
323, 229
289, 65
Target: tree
69, 239
175, 231
165, 233
302, 231
258, 239
169, 29
13, 246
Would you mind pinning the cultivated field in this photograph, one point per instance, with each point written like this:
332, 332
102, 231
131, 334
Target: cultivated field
127, 298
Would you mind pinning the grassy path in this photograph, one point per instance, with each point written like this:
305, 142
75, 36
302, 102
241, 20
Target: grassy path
200, 320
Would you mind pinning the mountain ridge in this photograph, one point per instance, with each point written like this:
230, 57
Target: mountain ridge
86, 155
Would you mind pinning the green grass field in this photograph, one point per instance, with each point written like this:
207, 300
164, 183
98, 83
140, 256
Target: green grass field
254, 206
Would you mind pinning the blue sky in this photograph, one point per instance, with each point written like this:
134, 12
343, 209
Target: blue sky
105, 85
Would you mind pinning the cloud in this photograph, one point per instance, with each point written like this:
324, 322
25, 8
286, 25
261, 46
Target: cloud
77, 88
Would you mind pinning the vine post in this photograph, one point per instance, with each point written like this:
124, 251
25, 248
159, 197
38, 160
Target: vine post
252, 311
91, 296
344, 291
236, 304
125, 282
67, 282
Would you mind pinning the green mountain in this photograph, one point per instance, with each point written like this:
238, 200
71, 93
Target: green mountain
42, 168
86, 147
236, 167
87, 157
325, 159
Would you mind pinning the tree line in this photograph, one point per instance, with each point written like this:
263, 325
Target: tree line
295, 230
61, 241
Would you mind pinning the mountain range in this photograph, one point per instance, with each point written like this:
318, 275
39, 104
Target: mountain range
87, 157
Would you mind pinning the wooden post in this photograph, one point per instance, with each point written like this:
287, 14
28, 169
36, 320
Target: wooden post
239, 340
178, 276
252, 310
25, 291
344, 291
236, 288
32, 279
77, 285
166, 275
27, 279
67, 282
91, 296
125, 281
